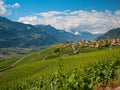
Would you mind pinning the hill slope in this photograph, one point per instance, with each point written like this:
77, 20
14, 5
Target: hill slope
15, 34
60, 35
67, 36
114, 33
33, 66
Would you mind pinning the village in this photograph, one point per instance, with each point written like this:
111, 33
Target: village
90, 44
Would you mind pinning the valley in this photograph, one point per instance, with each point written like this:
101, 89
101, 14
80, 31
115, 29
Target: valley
62, 62
59, 44
41, 57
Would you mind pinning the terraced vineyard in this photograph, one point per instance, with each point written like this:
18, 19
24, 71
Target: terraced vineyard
61, 69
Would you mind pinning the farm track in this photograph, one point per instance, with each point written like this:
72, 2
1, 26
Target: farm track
16, 62
3, 70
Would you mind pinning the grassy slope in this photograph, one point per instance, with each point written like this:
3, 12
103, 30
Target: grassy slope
45, 63
5, 63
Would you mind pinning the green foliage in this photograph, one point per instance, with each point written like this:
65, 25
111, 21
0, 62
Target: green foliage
77, 79
86, 78
57, 50
26, 74
6, 63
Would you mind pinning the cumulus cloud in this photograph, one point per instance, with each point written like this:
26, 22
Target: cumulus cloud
52, 13
76, 21
4, 8
30, 20
117, 12
16, 5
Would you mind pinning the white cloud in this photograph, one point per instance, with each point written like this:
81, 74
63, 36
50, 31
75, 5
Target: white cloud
2, 8
16, 5
50, 14
5, 9
117, 12
30, 20
92, 21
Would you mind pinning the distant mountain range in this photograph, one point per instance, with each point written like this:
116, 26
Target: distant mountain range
114, 33
16, 34
62, 35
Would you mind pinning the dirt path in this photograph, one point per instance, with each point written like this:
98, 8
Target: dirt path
11, 65
19, 60
16, 62
45, 57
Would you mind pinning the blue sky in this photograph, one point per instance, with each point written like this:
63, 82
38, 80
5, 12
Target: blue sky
28, 7
54, 12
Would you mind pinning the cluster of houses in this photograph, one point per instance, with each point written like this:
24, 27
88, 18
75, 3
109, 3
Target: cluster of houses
99, 43
92, 43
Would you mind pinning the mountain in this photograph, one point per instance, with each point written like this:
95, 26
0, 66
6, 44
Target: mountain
68, 36
84, 34
16, 34
114, 33
60, 35
88, 35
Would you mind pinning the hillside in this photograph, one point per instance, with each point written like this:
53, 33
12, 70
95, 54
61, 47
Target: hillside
14, 34
68, 36
114, 33
27, 71
60, 35
63, 66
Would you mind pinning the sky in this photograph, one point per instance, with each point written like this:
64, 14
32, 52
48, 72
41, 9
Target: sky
95, 16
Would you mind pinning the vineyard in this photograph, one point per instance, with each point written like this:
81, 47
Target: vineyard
77, 79
57, 71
